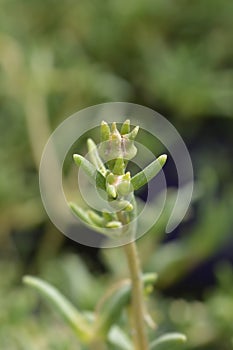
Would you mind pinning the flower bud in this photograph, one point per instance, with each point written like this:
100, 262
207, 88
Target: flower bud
121, 205
125, 129
104, 131
117, 145
95, 218
119, 185
114, 224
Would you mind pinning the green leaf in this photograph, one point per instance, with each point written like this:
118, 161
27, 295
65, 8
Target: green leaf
104, 131
119, 339
112, 305
125, 129
169, 339
95, 158
111, 190
132, 135
100, 181
93, 222
88, 168
81, 213
119, 167
65, 308
96, 218
94, 175
149, 172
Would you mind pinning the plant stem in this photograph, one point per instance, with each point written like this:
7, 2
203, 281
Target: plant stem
137, 298
137, 302
97, 345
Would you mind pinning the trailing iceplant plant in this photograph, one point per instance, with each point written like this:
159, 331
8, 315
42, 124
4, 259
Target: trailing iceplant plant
107, 170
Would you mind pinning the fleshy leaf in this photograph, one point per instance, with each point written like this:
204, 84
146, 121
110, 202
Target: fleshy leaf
95, 158
125, 129
114, 145
121, 205
169, 339
96, 218
132, 135
94, 175
87, 217
147, 174
119, 167
119, 339
65, 308
105, 131
88, 168
81, 213
112, 305
111, 190
114, 224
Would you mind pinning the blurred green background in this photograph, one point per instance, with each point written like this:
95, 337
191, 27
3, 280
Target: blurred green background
57, 57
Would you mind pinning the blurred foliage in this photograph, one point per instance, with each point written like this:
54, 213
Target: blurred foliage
57, 57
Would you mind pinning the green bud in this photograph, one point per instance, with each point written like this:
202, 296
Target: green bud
105, 131
129, 207
82, 214
124, 188
126, 176
119, 167
114, 224
125, 129
121, 205
108, 216
132, 135
114, 128
111, 190
118, 145
122, 184
111, 178
95, 218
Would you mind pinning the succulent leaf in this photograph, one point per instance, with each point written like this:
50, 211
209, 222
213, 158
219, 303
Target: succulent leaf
69, 313
95, 158
117, 145
81, 213
111, 306
147, 174
93, 174
104, 131
125, 129
169, 339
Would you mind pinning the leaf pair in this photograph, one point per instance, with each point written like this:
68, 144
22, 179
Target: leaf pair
109, 310
140, 179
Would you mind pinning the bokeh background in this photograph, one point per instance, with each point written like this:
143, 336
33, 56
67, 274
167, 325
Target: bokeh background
176, 57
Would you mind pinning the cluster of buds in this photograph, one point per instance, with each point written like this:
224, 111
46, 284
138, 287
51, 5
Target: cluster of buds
108, 169
116, 148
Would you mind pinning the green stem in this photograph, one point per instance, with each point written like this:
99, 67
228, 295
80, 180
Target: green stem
137, 298
137, 302
97, 344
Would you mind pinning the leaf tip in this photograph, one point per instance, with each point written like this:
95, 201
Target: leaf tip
26, 279
90, 143
77, 158
162, 159
132, 135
